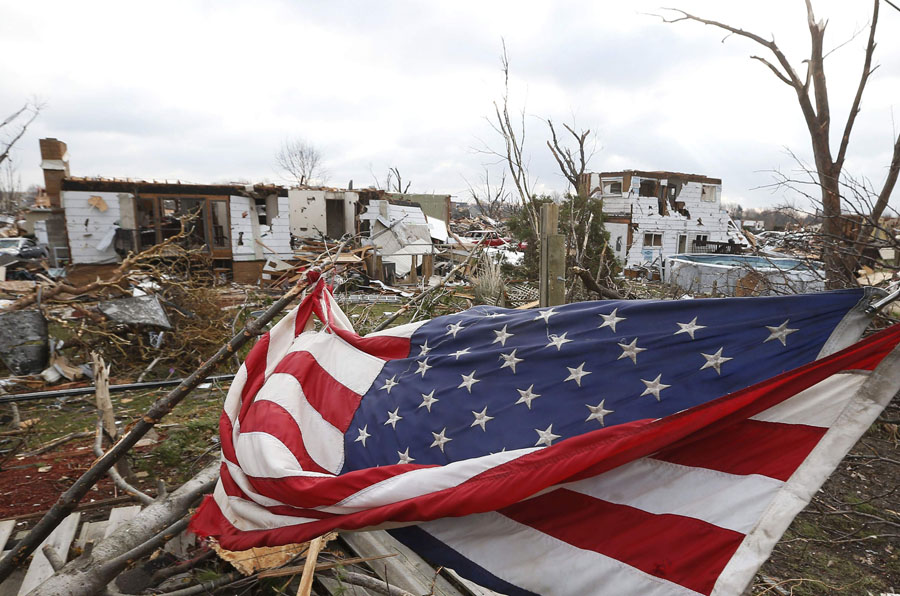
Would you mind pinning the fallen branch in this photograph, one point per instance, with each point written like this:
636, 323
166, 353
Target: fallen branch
591, 284
57, 442
69, 499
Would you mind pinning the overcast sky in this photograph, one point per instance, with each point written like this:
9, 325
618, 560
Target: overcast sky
207, 91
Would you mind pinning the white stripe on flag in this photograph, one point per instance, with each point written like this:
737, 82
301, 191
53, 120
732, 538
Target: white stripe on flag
323, 442
406, 330
820, 405
350, 367
244, 484
262, 455
423, 481
513, 551
281, 336
726, 500
232, 405
247, 516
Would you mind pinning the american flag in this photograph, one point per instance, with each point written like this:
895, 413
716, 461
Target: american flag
648, 447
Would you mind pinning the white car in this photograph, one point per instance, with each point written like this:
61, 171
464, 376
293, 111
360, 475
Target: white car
22, 247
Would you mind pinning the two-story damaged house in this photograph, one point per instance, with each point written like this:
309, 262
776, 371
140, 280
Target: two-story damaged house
651, 215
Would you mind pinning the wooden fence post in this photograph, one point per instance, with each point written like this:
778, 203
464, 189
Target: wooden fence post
553, 259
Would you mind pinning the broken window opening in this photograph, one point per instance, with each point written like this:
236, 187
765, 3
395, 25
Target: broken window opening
699, 243
652, 239
619, 244
648, 188
612, 187
708, 193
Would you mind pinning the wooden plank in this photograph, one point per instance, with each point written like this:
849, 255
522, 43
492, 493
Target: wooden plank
120, 515
91, 532
407, 570
60, 539
474, 588
6, 529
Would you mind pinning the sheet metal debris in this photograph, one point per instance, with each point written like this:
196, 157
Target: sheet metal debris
136, 310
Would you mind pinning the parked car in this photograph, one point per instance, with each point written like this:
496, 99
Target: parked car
489, 238
22, 247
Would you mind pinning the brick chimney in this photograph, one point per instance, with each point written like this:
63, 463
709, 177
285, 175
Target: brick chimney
55, 163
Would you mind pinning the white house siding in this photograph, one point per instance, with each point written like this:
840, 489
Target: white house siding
307, 211
245, 229
618, 239
706, 218
88, 227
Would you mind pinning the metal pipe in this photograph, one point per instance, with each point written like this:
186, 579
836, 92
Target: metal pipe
61, 393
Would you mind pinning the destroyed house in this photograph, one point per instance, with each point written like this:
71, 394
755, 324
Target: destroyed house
239, 226
651, 215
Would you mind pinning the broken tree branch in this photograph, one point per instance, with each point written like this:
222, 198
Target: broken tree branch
91, 573
591, 284
418, 298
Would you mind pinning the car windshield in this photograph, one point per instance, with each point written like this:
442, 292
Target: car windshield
9, 242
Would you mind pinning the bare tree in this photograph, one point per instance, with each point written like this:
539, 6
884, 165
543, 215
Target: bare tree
10, 186
14, 126
491, 198
395, 177
812, 95
300, 160
572, 163
513, 153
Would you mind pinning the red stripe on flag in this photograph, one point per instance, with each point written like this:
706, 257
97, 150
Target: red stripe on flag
233, 490
268, 417
225, 435
380, 346
683, 550
384, 347
335, 403
771, 449
256, 372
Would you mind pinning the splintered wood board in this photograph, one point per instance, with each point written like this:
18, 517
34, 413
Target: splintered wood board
60, 539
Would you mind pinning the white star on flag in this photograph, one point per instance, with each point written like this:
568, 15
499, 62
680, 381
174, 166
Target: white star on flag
526, 395
598, 412
510, 361
630, 351
689, 328
390, 383
404, 457
423, 367
481, 418
558, 341
363, 435
454, 329
424, 349
575, 374
459, 353
502, 336
468, 381
654, 387
440, 438
546, 437
393, 417
780, 333
545, 314
427, 400
610, 320
715, 361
